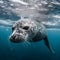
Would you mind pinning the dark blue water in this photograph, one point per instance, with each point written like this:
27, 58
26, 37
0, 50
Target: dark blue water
33, 51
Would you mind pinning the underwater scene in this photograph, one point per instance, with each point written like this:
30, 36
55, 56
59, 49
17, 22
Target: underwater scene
45, 11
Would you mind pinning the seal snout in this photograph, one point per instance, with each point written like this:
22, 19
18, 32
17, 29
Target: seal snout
12, 37
16, 39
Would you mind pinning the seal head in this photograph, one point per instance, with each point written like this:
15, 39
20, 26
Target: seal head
23, 30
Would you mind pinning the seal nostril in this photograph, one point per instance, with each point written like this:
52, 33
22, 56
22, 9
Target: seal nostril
12, 37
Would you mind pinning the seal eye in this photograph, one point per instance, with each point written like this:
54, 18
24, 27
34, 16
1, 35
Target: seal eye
26, 27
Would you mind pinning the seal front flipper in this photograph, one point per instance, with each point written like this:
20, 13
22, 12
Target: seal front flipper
48, 44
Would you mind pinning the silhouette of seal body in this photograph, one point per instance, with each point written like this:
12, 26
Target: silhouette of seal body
29, 30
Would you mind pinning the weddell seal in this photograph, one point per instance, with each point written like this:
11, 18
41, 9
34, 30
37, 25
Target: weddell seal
29, 30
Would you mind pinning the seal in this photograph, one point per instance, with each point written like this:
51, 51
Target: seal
29, 30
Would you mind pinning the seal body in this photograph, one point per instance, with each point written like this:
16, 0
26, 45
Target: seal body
29, 30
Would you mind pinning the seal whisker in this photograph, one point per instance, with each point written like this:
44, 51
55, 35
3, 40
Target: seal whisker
27, 43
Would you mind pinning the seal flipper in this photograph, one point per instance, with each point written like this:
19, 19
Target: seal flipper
48, 44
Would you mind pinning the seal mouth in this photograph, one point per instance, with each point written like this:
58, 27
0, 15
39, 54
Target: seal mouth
16, 41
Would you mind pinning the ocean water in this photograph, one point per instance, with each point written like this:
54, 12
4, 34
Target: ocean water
29, 51
9, 14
